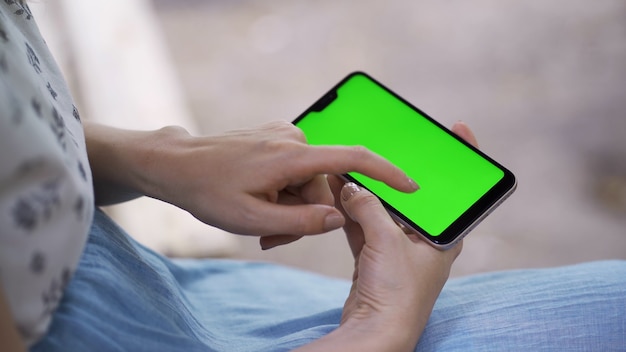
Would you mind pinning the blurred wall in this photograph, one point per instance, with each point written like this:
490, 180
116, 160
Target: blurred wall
541, 83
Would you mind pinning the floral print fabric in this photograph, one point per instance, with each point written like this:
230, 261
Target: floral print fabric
46, 197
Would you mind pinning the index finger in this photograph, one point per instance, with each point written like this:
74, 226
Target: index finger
343, 159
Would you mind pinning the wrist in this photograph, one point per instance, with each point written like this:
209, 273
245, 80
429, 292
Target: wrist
399, 324
382, 333
364, 337
124, 162
154, 159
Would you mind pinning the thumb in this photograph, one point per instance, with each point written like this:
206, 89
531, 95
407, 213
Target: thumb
365, 208
303, 219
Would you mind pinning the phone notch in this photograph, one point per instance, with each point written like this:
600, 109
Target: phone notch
324, 101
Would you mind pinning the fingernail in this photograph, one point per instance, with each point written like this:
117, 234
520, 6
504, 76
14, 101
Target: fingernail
414, 185
333, 221
348, 190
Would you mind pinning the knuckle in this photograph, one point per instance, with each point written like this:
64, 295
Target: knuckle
249, 215
286, 148
365, 200
173, 130
297, 134
288, 129
278, 124
301, 224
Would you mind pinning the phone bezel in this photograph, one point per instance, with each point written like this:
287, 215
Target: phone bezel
466, 221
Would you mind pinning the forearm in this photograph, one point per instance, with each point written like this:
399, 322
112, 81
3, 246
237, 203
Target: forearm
367, 338
121, 161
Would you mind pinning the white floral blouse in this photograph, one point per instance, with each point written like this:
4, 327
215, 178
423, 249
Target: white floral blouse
46, 196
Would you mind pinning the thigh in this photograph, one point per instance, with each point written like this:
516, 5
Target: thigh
575, 308
124, 297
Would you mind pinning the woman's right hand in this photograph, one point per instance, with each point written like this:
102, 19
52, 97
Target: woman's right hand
397, 276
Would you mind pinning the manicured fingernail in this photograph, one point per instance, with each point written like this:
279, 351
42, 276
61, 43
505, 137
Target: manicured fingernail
458, 123
414, 185
348, 190
333, 221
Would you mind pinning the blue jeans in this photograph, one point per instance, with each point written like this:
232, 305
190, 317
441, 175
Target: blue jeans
124, 297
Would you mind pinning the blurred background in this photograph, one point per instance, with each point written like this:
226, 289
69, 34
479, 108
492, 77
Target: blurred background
542, 84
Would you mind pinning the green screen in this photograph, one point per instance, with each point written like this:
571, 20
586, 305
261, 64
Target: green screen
451, 176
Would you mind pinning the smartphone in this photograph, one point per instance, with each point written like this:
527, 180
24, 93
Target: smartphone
459, 184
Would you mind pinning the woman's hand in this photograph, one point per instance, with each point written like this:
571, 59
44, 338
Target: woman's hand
264, 181
397, 276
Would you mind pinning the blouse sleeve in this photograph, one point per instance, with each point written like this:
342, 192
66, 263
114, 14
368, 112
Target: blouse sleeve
46, 197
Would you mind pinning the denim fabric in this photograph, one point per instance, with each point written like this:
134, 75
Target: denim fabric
124, 297
574, 308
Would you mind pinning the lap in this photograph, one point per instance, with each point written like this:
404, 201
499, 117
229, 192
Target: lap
573, 308
125, 297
